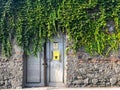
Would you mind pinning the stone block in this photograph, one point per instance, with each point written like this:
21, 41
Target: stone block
94, 81
113, 81
1, 83
86, 81
90, 75
77, 82
1, 77
118, 83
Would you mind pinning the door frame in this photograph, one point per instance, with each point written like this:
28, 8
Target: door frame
25, 57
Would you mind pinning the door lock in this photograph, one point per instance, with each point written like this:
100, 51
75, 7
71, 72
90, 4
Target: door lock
45, 64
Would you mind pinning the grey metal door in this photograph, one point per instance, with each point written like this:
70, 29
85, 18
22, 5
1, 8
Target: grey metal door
34, 75
55, 65
56, 62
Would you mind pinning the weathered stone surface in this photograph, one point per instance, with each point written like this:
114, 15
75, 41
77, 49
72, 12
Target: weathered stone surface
94, 81
86, 81
79, 77
1, 77
1, 83
93, 71
118, 83
77, 82
11, 70
113, 81
90, 75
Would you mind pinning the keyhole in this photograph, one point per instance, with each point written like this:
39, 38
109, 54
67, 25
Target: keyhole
55, 57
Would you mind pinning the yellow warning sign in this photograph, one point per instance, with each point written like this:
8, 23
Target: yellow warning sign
56, 55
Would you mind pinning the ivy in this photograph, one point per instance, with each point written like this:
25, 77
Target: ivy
92, 24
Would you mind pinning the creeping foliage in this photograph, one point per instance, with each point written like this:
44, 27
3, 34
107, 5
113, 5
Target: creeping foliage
92, 24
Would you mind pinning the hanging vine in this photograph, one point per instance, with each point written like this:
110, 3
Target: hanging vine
92, 24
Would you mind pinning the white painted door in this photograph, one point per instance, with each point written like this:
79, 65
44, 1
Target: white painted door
55, 75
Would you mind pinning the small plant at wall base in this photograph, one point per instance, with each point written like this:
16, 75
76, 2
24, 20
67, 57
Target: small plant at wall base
86, 22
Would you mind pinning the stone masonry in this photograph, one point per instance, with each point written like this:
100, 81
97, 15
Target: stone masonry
84, 70
93, 73
11, 69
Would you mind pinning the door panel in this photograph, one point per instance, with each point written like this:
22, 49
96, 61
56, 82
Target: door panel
55, 67
56, 72
34, 70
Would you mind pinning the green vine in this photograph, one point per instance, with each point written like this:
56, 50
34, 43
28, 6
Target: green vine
92, 24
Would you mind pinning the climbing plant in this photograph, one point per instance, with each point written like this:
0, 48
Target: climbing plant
92, 24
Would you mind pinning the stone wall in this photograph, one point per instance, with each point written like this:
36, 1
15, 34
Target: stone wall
86, 71
83, 70
11, 69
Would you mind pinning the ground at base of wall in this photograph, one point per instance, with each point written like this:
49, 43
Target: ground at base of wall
53, 88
